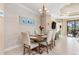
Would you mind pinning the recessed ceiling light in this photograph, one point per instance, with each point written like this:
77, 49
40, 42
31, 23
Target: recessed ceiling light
68, 3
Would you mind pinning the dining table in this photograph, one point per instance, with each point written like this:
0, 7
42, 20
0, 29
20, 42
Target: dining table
38, 39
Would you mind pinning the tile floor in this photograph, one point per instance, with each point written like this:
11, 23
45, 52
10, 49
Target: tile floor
69, 46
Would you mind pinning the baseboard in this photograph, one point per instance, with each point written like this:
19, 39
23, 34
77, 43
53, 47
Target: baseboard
11, 48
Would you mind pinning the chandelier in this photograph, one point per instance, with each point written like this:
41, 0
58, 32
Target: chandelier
43, 10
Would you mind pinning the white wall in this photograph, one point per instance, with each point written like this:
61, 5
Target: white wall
12, 26
1, 30
1, 34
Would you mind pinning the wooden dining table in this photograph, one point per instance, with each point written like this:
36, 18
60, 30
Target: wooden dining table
38, 39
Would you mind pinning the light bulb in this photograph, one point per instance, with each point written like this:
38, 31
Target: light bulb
47, 11
40, 10
45, 8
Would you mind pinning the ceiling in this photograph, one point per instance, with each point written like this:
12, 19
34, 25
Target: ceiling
70, 10
54, 8
57, 10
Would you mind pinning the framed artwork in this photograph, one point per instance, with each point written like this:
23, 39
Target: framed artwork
1, 13
26, 21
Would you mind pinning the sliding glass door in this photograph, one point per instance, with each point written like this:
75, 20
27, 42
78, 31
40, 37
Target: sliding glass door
73, 28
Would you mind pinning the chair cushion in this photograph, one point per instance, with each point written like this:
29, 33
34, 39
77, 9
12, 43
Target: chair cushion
44, 43
33, 45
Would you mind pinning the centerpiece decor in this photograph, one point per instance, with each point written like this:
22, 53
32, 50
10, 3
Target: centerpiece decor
41, 28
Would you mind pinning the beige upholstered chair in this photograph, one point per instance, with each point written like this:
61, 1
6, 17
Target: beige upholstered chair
48, 41
53, 37
27, 42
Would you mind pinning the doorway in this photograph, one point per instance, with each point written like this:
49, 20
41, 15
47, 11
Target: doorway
73, 28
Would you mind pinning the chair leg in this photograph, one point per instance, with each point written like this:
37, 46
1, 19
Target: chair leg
54, 42
24, 50
29, 50
39, 48
50, 46
47, 49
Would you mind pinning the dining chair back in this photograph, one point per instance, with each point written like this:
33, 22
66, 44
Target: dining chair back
53, 37
49, 36
26, 38
27, 43
48, 41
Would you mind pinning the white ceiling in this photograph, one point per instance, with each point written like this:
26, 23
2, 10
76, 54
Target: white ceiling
54, 8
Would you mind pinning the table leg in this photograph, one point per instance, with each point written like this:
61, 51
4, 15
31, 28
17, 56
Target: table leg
39, 47
40, 51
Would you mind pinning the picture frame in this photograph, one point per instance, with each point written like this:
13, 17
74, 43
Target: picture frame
26, 20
